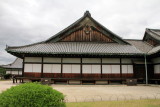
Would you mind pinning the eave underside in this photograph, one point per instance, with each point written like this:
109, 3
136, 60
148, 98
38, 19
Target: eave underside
22, 55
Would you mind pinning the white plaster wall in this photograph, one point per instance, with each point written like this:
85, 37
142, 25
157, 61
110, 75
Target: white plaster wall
36, 68
127, 69
32, 68
28, 68
115, 69
106, 69
71, 60
67, 68
126, 60
33, 59
124, 68
96, 69
47, 68
156, 60
156, 69
110, 60
52, 68
8, 72
75, 68
130, 69
86, 69
20, 72
15, 72
52, 60
91, 60
56, 68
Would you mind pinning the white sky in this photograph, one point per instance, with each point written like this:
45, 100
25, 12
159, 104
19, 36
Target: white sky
27, 21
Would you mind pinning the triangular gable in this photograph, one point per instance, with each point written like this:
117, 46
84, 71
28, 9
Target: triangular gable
152, 36
86, 29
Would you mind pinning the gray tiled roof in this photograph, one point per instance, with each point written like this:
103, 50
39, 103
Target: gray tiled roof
141, 45
16, 64
77, 48
154, 50
155, 33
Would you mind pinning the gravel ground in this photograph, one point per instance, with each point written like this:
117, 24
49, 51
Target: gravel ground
85, 93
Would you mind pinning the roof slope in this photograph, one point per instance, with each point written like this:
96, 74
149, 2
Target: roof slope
141, 45
154, 50
16, 64
77, 48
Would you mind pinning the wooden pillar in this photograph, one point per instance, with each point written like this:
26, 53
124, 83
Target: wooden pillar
81, 68
23, 66
61, 67
101, 68
42, 68
121, 69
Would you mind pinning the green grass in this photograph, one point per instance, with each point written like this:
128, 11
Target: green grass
130, 103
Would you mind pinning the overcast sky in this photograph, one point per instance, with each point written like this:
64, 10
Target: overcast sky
28, 21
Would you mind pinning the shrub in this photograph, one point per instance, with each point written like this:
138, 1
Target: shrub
7, 76
31, 95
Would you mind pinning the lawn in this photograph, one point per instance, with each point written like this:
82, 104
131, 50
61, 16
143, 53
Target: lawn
130, 103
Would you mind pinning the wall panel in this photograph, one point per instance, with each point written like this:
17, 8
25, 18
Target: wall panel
56, 68
106, 69
115, 69
71, 60
130, 69
96, 69
91, 60
51, 60
156, 60
37, 68
124, 68
67, 68
86, 69
156, 69
111, 60
126, 60
47, 68
75, 68
33, 59
28, 68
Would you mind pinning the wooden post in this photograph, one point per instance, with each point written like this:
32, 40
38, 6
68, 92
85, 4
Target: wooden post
121, 69
81, 68
61, 66
23, 66
101, 67
42, 68
13, 80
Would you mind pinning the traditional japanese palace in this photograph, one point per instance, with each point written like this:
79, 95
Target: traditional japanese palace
86, 51
14, 68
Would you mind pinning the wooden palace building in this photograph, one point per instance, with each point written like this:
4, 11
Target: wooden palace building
87, 52
14, 68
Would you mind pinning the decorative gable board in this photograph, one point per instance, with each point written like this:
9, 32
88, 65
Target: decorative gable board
86, 29
86, 34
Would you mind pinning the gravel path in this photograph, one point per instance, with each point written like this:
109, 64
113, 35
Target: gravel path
85, 93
